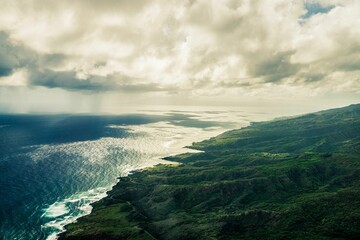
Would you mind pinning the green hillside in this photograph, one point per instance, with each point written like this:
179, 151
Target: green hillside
295, 178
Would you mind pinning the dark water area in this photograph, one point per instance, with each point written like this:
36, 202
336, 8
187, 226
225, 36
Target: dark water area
53, 166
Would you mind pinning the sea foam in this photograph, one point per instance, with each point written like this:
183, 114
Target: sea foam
77, 205
149, 143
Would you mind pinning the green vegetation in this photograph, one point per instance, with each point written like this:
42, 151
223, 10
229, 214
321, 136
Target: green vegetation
296, 178
108, 222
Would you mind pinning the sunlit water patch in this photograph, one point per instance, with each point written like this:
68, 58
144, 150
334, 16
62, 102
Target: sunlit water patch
145, 146
50, 185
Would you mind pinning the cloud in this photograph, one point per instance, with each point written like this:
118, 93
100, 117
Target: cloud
67, 80
276, 68
182, 47
70, 81
12, 56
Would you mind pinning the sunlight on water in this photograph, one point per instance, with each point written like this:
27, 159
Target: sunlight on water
147, 144
56, 166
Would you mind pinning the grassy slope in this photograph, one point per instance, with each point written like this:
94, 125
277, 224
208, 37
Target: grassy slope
108, 222
296, 178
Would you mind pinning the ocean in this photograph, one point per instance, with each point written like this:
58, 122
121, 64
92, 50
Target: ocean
53, 166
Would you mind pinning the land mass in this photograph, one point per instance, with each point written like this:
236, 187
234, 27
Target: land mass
294, 178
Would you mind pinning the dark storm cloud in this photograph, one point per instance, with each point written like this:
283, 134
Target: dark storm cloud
53, 60
5, 71
11, 56
14, 56
276, 68
70, 81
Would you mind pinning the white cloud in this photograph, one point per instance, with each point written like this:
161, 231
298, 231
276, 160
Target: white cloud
187, 47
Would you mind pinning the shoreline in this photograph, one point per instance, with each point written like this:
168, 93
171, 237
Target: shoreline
271, 180
161, 159
125, 206
165, 161
102, 196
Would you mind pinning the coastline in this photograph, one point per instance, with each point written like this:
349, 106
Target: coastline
124, 208
148, 145
260, 182
151, 163
88, 208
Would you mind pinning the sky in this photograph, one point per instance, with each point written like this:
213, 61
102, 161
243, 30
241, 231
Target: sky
104, 56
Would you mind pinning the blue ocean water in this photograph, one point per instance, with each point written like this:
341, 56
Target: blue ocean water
53, 166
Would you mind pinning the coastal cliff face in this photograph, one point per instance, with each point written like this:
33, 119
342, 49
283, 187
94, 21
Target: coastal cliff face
295, 178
